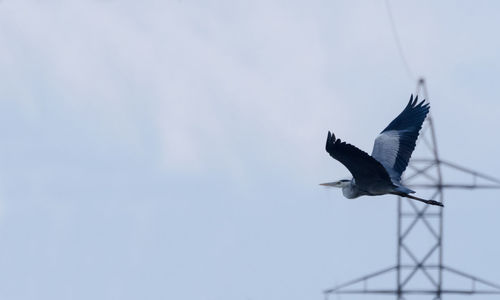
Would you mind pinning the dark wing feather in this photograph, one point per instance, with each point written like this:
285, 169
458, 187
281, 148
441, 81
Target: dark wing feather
364, 168
395, 144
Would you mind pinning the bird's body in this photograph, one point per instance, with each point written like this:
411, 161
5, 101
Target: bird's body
380, 173
352, 190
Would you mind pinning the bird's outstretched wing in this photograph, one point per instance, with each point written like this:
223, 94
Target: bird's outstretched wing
395, 144
364, 168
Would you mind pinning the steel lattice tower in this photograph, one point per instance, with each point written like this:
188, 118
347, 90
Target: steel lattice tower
427, 262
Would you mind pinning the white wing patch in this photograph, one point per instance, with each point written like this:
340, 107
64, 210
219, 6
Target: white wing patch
385, 150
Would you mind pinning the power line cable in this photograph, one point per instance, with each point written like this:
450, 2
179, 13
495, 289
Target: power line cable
398, 41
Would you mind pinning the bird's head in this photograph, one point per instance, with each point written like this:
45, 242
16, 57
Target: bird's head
340, 184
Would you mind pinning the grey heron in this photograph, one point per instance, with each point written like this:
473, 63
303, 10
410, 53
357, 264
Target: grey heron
380, 173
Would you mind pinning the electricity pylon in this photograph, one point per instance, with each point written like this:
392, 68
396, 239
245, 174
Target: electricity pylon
419, 271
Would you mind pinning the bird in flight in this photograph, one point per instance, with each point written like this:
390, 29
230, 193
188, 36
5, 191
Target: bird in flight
380, 173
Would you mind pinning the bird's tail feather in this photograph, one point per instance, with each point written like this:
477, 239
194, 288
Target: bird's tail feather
403, 189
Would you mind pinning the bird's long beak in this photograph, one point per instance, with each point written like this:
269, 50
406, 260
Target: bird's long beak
329, 184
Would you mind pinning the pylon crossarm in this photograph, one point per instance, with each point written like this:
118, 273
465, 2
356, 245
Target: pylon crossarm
338, 288
470, 292
454, 186
459, 168
472, 172
419, 292
474, 279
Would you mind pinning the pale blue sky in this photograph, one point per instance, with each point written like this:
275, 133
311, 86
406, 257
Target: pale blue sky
172, 149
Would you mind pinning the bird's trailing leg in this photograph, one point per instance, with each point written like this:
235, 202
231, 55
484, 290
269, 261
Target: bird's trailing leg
431, 202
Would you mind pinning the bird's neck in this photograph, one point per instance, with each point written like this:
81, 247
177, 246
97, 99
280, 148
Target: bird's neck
350, 191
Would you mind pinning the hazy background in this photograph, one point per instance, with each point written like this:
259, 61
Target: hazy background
172, 149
